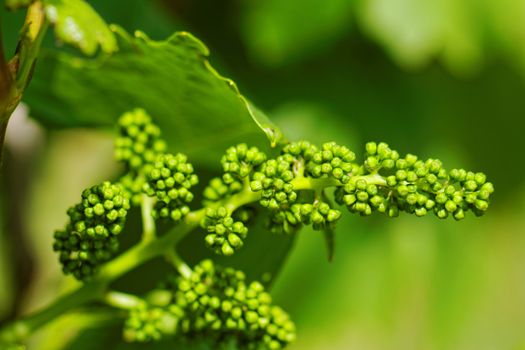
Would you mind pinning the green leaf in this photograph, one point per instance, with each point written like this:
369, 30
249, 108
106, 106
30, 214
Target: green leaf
200, 112
16, 4
77, 24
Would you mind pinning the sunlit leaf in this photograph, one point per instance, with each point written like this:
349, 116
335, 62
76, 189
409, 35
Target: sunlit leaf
200, 112
77, 24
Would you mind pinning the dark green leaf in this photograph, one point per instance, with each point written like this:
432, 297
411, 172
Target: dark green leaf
77, 24
200, 112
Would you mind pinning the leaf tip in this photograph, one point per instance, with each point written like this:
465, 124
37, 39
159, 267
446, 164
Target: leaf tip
189, 38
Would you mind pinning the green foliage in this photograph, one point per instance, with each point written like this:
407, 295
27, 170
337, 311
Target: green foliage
294, 188
90, 236
77, 24
459, 34
203, 104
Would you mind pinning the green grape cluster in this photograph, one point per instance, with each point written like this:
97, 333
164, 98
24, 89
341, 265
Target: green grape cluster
238, 162
274, 181
218, 301
274, 177
301, 151
332, 160
217, 190
147, 322
90, 237
295, 188
170, 181
363, 198
138, 145
139, 142
225, 235
133, 183
215, 303
390, 184
379, 156
319, 214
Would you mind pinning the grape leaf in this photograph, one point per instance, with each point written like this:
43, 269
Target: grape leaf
200, 112
77, 24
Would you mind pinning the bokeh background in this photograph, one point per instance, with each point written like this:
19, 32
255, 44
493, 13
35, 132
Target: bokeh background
438, 78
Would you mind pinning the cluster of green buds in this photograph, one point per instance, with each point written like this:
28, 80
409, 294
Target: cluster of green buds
90, 236
218, 302
139, 142
333, 161
363, 198
147, 322
389, 184
238, 163
215, 303
138, 145
217, 190
225, 235
274, 180
319, 214
170, 182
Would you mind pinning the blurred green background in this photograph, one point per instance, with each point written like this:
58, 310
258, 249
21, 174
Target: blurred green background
438, 78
